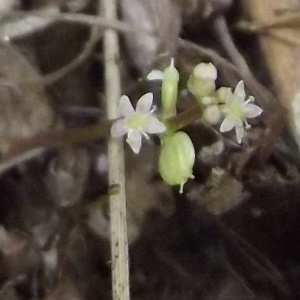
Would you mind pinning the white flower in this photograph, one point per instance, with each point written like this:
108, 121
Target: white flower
237, 110
136, 123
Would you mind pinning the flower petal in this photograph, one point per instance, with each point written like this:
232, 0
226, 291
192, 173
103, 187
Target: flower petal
156, 75
153, 125
227, 124
134, 139
239, 131
125, 107
252, 110
240, 90
118, 128
145, 102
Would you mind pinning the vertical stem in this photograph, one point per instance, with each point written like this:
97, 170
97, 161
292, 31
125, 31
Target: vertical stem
119, 245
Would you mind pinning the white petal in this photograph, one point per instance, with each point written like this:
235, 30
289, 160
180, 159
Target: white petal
134, 139
227, 124
118, 128
153, 125
240, 90
224, 94
125, 107
145, 102
252, 110
239, 131
156, 75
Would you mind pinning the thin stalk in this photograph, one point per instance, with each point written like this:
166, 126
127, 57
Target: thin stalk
119, 244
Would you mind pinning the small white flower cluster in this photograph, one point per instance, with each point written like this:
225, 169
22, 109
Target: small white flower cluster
222, 107
232, 108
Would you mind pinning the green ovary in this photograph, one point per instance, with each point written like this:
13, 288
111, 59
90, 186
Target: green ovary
137, 121
236, 111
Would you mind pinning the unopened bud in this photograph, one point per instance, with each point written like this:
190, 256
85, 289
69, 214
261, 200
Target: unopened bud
169, 90
223, 93
212, 114
202, 81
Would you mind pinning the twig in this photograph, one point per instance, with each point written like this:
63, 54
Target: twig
223, 35
119, 244
51, 78
64, 17
24, 148
261, 94
18, 159
285, 21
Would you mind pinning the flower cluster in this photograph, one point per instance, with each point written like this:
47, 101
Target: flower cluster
177, 155
232, 106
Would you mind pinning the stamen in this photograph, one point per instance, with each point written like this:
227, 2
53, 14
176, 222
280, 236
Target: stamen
247, 125
146, 135
154, 107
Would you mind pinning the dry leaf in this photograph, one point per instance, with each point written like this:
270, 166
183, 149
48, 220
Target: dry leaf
157, 24
25, 108
68, 175
220, 193
17, 254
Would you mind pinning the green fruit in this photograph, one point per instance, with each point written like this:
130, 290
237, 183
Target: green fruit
176, 160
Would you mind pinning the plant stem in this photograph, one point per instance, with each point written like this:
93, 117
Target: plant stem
119, 244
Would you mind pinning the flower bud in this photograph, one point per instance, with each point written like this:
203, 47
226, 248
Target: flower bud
169, 90
202, 81
207, 100
205, 71
212, 114
223, 94
176, 159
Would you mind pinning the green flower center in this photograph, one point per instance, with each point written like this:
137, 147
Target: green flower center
137, 121
236, 110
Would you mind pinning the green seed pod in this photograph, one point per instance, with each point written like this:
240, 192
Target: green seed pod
176, 159
169, 90
202, 81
